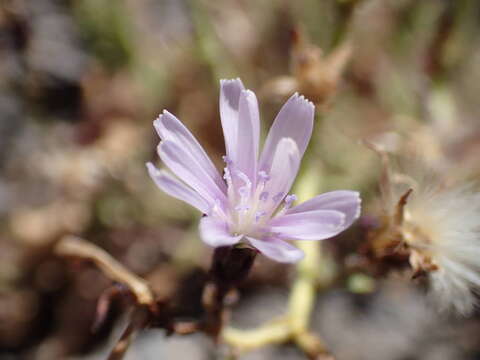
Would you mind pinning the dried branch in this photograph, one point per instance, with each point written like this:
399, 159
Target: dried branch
104, 302
138, 320
230, 265
76, 247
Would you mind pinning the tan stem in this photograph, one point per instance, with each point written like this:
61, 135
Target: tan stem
245, 340
77, 247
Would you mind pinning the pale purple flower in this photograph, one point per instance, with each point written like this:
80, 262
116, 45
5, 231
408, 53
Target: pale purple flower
250, 202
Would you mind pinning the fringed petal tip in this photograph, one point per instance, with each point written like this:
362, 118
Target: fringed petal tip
157, 122
295, 121
247, 93
231, 81
301, 99
352, 207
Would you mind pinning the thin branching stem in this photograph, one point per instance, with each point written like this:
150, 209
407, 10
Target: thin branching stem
76, 247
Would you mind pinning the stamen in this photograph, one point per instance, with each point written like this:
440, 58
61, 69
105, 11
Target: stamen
278, 197
289, 199
259, 214
227, 160
242, 207
263, 176
227, 177
244, 191
244, 178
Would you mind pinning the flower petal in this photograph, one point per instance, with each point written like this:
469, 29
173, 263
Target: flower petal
229, 106
214, 232
277, 249
246, 153
345, 201
177, 189
283, 171
179, 161
310, 225
170, 128
295, 121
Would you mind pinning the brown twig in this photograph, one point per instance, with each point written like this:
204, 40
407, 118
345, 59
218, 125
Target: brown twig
77, 247
138, 320
104, 302
145, 309
230, 265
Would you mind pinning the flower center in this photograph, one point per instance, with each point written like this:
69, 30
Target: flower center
250, 206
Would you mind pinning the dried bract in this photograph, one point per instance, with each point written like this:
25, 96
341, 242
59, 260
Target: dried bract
435, 224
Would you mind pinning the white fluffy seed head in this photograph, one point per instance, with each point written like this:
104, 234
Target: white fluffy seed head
442, 227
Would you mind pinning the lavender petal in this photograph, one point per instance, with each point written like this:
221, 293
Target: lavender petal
285, 164
177, 189
345, 201
248, 135
277, 249
190, 171
295, 120
170, 128
311, 225
214, 232
229, 106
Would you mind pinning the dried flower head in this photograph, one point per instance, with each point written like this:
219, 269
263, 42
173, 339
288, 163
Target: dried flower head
313, 73
251, 202
436, 224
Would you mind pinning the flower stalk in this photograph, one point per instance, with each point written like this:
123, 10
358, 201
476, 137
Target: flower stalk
294, 326
230, 265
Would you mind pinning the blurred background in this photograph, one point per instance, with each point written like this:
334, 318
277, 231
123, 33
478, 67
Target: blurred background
81, 82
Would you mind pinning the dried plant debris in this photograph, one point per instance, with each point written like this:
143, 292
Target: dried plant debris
432, 221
